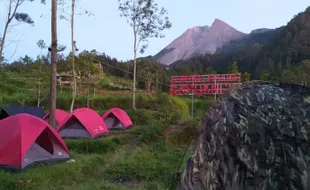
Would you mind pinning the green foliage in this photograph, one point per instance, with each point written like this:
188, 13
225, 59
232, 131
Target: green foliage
246, 76
184, 132
151, 134
148, 165
146, 19
234, 68
92, 146
297, 74
141, 116
201, 106
264, 76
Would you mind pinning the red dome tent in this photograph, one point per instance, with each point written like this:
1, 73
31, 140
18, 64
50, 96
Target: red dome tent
117, 118
26, 139
60, 115
82, 123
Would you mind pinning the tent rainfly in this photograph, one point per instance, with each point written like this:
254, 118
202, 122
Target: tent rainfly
26, 140
60, 115
9, 110
82, 123
117, 118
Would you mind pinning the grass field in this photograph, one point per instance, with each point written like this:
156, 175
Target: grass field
144, 157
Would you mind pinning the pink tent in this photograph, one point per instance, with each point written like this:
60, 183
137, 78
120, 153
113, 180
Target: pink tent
82, 123
60, 115
117, 118
26, 139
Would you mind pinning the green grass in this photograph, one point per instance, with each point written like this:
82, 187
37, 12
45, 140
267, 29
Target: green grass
121, 161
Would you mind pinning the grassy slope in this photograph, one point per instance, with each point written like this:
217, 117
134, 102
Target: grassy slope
144, 157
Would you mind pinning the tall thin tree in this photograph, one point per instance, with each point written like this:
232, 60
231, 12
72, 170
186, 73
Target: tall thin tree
53, 63
147, 21
73, 56
63, 16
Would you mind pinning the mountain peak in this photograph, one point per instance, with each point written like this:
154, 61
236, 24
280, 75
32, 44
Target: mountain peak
217, 22
260, 30
198, 40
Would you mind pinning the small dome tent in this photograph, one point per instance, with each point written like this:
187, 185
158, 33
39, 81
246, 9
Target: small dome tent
26, 139
117, 118
82, 123
9, 110
60, 115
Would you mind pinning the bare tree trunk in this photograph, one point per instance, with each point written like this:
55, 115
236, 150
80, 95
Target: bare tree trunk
39, 94
2, 40
10, 17
157, 86
149, 84
73, 57
134, 69
53, 64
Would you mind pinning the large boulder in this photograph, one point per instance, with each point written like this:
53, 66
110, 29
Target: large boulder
256, 136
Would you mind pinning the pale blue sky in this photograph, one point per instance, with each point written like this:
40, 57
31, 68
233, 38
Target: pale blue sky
107, 32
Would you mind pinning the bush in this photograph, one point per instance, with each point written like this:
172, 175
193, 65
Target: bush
88, 146
201, 106
142, 116
184, 133
151, 134
172, 102
147, 164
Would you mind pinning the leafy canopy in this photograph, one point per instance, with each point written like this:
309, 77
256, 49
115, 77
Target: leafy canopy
146, 19
19, 16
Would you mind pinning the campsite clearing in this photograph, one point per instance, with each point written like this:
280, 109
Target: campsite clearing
138, 158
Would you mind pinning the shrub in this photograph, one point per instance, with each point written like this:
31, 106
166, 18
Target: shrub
184, 133
88, 146
152, 133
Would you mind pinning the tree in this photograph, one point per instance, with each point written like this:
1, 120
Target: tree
73, 44
246, 76
265, 76
53, 63
13, 6
303, 72
147, 21
234, 68
42, 45
73, 56
85, 64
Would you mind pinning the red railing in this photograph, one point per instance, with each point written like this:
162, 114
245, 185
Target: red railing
202, 84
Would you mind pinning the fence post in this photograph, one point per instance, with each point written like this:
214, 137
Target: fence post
193, 96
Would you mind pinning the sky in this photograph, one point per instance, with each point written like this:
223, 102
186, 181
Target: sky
107, 32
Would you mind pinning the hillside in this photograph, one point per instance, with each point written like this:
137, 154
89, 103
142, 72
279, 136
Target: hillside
198, 41
271, 55
146, 156
258, 37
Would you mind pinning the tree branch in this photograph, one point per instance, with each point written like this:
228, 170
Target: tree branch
18, 3
15, 48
